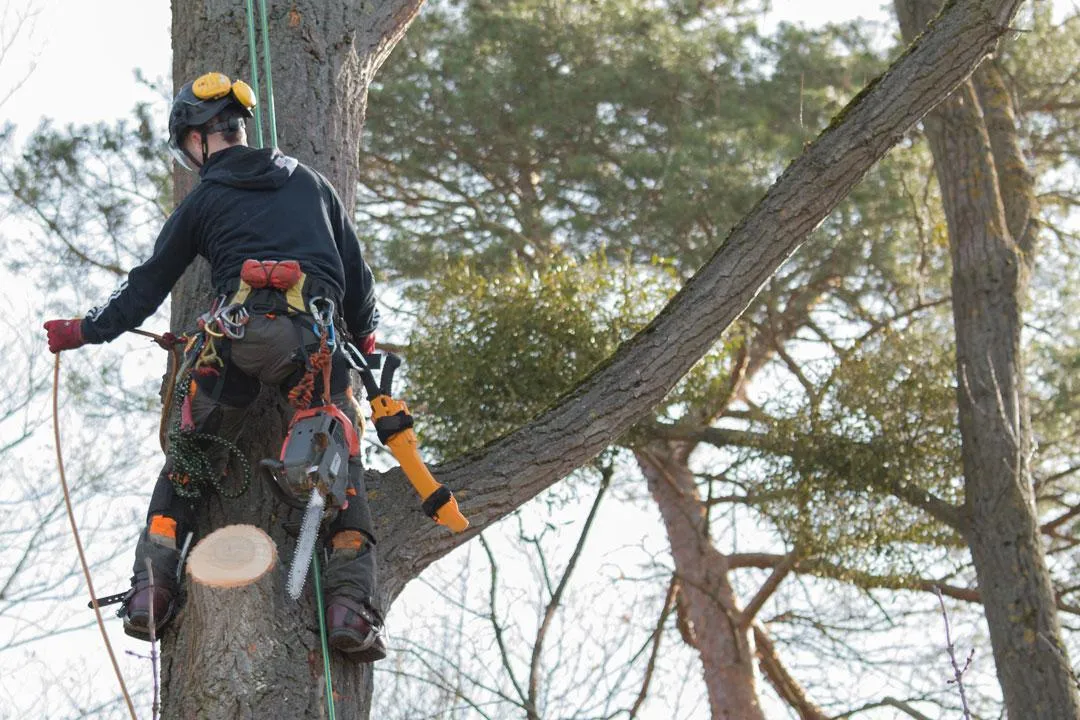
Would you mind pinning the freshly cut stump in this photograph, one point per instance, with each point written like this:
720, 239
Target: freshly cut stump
230, 625
231, 557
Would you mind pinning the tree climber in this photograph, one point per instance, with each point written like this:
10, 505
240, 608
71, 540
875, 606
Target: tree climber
277, 238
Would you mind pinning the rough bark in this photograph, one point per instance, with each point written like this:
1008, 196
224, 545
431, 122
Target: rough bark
324, 56
785, 685
231, 591
989, 207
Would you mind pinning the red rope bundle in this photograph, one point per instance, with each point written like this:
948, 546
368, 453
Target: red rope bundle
300, 396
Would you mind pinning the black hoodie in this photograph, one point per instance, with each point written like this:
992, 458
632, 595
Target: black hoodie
249, 204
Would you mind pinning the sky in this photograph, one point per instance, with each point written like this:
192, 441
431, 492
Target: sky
86, 53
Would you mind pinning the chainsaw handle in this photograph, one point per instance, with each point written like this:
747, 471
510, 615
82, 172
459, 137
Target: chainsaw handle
363, 367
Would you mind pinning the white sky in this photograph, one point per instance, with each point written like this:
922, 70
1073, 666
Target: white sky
87, 53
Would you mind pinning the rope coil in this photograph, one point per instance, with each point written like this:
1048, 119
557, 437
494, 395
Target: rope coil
192, 469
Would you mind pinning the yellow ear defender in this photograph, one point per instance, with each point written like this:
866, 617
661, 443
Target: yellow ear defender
215, 85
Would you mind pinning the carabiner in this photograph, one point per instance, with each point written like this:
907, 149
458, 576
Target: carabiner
324, 317
232, 319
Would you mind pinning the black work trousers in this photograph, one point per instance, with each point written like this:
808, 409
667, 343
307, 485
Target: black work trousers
272, 351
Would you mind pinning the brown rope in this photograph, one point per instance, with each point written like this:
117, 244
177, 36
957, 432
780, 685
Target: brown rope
170, 383
78, 541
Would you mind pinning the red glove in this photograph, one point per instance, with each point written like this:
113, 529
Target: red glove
64, 334
367, 344
167, 341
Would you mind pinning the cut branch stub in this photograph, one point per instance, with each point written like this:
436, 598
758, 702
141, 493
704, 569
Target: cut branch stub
234, 600
233, 556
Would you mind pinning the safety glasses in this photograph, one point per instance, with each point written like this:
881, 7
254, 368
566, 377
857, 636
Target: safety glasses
215, 85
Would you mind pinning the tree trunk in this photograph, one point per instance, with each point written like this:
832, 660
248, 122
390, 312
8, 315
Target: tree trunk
324, 56
707, 606
989, 209
231, 592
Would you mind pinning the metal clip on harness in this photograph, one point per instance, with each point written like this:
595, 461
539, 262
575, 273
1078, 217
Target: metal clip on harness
322, 312
232, 319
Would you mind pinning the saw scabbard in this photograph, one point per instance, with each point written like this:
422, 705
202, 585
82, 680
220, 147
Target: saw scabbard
394, 426
393, 423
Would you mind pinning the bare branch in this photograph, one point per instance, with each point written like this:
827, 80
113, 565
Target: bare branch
657, 636
780, 571
556, 598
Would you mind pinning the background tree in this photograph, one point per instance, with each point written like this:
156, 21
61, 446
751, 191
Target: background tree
988, 193
826, 469
40, 579
535, 456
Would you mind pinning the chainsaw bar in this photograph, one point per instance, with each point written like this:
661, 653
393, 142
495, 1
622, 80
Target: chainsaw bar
305, 544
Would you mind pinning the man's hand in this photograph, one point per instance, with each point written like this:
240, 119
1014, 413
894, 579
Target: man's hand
366, 344
64, 334
167, 341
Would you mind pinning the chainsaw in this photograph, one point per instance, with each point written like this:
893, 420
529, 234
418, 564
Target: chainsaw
312, 473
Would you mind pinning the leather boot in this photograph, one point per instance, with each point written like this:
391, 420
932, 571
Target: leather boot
138, 602
354, 629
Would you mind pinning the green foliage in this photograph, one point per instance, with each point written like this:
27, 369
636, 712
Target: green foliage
885, 419
518, 135
83, 205
90, 198
1041, 70
503, 131
490, 350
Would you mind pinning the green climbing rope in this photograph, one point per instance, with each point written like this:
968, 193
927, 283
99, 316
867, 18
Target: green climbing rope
192, 470
269, 74
254, 69
272, 121
322, 632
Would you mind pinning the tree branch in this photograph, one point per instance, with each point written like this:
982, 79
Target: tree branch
785, 685
556, 599
780, 571
657, 636
823, 569
498, 477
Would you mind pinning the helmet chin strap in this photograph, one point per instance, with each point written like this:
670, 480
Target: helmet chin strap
205, 151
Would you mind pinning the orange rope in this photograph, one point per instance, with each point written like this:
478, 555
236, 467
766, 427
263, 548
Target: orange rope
75, 532
300, 396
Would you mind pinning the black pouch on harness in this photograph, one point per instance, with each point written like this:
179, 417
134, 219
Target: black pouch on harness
226, 383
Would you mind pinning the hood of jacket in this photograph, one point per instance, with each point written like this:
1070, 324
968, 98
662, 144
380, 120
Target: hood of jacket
249, 168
